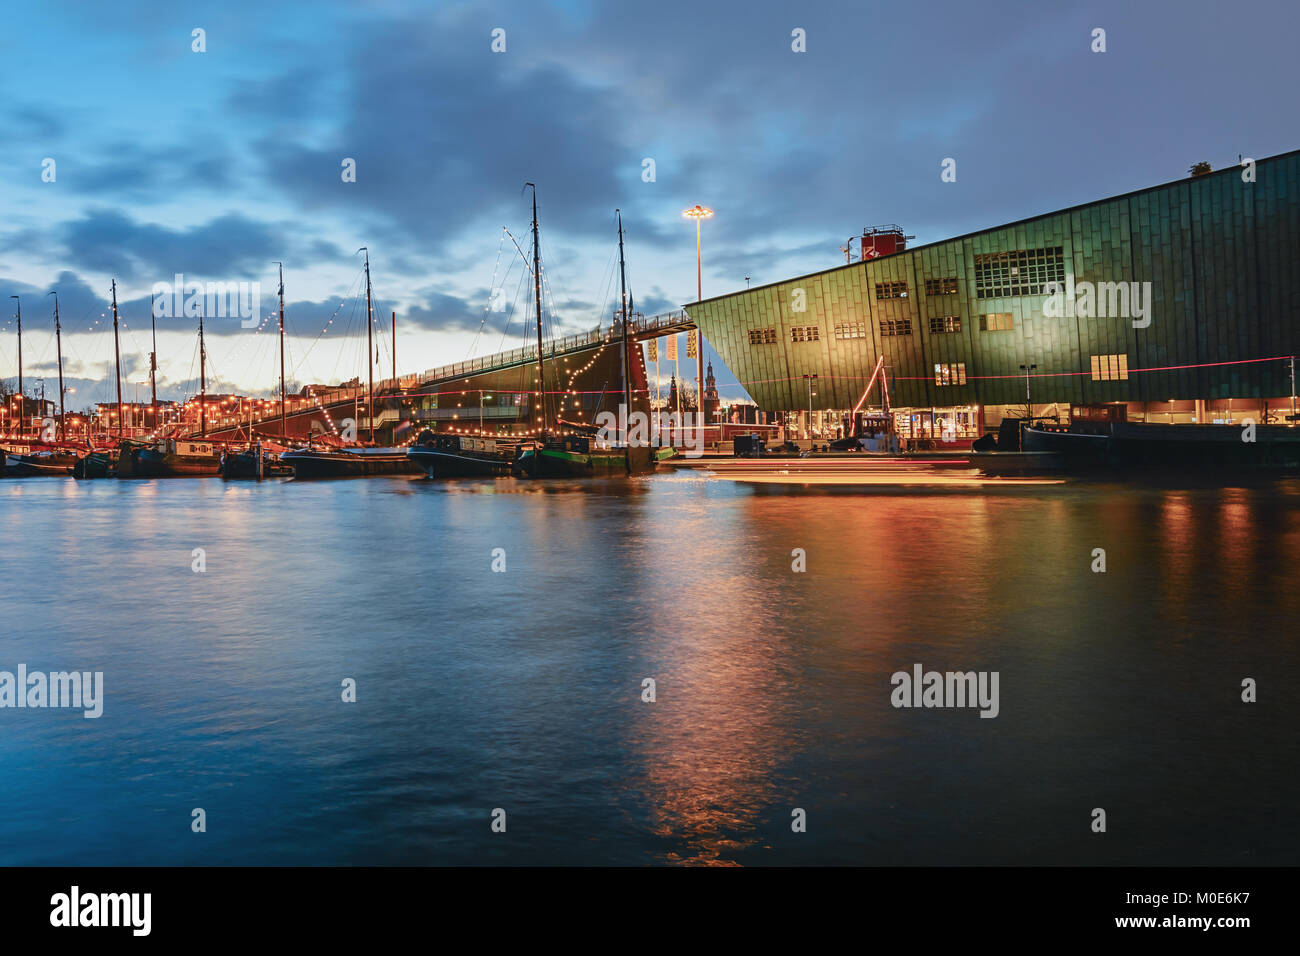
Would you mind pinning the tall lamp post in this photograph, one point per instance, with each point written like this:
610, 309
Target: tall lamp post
810, 379
1029, 408
698, 213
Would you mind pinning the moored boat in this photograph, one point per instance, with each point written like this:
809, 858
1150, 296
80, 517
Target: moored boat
351, 462
176, 458
40, 464
1151, 445
97, 464
583, 456
244, 464
459, 456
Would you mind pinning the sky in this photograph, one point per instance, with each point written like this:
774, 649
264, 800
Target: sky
218, 164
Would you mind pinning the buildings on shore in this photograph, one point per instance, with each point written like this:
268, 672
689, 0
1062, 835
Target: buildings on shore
1176, 303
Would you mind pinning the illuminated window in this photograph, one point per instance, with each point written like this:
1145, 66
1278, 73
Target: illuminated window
891, 290
805, 333
851, 330
945, 323
1109, 368
895, 326
941, 286
1023, 272
762, 336
997, 322
950, 373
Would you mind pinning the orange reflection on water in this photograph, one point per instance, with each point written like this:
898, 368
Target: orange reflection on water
723, 718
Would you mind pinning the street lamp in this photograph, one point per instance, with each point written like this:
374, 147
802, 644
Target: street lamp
698, 213
810, 379
1029, 408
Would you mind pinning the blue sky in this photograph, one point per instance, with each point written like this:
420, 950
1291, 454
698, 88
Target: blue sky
217, 164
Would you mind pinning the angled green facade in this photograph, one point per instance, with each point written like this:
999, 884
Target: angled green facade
1221, 255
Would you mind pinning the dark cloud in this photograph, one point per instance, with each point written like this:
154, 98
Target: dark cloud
444, 133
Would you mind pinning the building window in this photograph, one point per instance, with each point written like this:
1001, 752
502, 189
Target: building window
941, 286
945, 323
950, 373
1109, 368
997, 322
762, 336
891, 290
1024, 272
851, 330
805, 333
895, 326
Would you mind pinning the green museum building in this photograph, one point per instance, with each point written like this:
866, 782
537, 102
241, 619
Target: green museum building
1177, 303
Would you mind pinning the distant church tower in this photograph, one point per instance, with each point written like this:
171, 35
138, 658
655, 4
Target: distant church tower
711, 400
672, 395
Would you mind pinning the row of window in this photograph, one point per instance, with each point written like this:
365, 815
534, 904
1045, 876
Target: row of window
939, 324
898, 290
997, 274
1105, 368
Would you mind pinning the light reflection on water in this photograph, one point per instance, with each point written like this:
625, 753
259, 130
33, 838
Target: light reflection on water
522, 690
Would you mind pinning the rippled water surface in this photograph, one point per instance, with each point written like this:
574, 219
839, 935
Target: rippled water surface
522, 690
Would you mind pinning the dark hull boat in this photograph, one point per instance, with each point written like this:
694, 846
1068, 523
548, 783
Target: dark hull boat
1153, 446
176, 458
453, 456
98, 464
39, 465
582, 457
312, 464
237, 465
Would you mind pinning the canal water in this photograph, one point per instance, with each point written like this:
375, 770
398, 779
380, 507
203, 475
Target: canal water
521, 690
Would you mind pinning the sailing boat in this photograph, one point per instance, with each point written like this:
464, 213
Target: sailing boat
180, 457
256, 462
52, 462
119, 459
582, 455
354, 461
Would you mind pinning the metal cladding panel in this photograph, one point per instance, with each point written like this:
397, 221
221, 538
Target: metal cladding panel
1218, 251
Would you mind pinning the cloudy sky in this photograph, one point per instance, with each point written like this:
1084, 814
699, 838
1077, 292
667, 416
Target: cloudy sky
217, 164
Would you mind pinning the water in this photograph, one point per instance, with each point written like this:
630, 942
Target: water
522, 690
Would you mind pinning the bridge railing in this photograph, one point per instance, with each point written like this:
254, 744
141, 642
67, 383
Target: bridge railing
557, 347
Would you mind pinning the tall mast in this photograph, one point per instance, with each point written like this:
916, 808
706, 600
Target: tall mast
394, 324
369, 349
203, 382
627, 359
537, 291
58, 344
117, 364
22, 401
284, 429
153, 363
